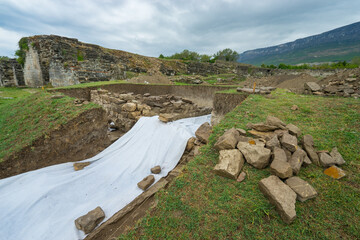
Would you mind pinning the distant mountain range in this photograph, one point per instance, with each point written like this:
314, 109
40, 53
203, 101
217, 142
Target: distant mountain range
336, 45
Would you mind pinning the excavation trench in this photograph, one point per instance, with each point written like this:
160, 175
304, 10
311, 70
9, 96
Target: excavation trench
87, 135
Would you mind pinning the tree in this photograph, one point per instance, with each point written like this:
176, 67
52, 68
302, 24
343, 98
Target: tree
21, 52
161, 56
227, 55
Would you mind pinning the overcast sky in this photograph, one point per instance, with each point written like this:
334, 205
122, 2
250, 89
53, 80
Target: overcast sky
163, 26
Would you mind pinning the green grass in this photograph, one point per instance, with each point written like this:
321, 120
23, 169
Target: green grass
30, 115
200, 205
93, 84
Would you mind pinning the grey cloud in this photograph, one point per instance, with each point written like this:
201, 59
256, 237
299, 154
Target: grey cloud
165, 26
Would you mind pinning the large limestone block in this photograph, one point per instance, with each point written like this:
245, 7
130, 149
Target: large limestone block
339, 160
203, 132
289, 142
302, 188
88, 222
230, 163
312, 86
280, 195
256, 155
228, 140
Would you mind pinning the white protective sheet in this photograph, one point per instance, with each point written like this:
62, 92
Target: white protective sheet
44, 203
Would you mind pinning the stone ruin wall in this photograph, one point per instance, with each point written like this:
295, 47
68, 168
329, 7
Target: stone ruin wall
62, 61
11, 73
125, 109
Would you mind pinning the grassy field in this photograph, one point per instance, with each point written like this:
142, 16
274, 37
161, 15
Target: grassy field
200, 205
26, 114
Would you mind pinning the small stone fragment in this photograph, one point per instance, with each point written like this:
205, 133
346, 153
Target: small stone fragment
261, 127
280, 132
303, 189
289, 142
228, 140
326, 160
280, 195
146, 182
339, 160
307, 161
88, 222
241, 177
335, 172
156, 169
230, 163
293, 130
264, 135
147, 94
80, 165
166, 117
294, 107
241, 131
203, 132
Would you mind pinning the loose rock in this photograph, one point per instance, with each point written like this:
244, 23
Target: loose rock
190, 144
339, 160
129, 107
297, 160
289, 142
281, 169
274, 121
326, 160
80, 165
335, 172
241, 177
261, 127
272, 143
294, 107
303, 189
228, 140
312, 154
293, 130
203, 132
156, 169
241, 131
146, 182
230, 163
88, 222
256, 155
312, 86
264, 135
280, 195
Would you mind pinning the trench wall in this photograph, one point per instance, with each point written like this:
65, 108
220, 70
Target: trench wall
80, 138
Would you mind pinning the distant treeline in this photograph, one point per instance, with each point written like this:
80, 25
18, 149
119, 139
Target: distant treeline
355, 63
224, 55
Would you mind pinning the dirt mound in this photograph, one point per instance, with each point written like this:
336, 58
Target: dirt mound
340, 75
294, 83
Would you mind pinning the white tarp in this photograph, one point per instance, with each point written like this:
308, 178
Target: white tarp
44, 203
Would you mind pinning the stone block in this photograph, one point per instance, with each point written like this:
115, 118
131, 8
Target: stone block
335, 172
303, 189
146, 182
256, 155
88, 222
230, 163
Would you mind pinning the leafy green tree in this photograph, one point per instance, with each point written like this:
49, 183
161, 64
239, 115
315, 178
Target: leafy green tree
227, 55
161, 56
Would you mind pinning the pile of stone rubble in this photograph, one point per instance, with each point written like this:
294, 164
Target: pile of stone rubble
275, 144
350, 87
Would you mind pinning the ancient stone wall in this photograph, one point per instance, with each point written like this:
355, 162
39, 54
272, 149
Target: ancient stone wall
11, 73
124, 110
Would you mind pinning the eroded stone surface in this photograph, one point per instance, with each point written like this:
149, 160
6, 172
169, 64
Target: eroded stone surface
302, 188
256, 155
190, 144
281, 169
280, 195
289, 142
203, 132
88, 222
339, 160
312, 86
312, 154
297, 160
146, 182
273, 142
228, 140
326, 160
293, 130
274, 121
230, 163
